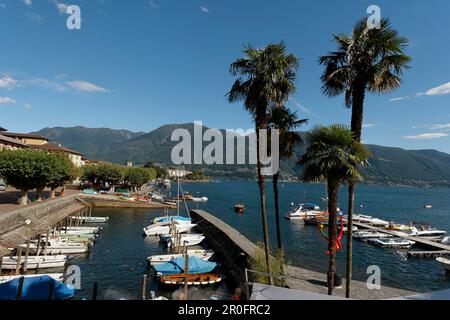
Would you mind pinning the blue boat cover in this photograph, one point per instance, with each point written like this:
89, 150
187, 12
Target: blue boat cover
176, 266
36, 288
171, 218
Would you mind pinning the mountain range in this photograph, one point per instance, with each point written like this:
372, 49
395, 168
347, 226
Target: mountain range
388, 166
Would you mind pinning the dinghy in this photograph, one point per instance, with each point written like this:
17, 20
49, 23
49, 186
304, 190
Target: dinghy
396, 243
445, 262
177, 265
178, 219
34, 262
91, 219
185, 239
193, 279
41, 287
201, 254
80, 230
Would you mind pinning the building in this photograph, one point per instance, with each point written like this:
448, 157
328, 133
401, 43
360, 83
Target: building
7, 143
74, 156
26, 138
177, 173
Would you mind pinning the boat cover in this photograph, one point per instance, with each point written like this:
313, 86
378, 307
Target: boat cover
176, 266
36, 288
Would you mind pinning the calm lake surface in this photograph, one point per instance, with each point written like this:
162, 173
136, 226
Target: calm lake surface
117, 261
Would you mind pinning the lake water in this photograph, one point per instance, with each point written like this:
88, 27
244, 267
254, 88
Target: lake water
117, 261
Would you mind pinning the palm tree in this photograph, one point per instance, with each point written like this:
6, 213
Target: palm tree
266, 79
369, 60
285, 121
333, 156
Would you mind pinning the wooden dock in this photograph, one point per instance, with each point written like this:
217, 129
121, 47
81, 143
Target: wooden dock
427, 254
436, 246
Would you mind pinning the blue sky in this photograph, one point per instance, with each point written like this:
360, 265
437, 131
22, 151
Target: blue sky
140, 64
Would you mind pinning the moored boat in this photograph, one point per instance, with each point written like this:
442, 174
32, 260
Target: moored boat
370, 234
165, 227
445, 262
184, 239
239, 208
395, 243
34, 262
177, 266
192, 279
36, 288
200, 253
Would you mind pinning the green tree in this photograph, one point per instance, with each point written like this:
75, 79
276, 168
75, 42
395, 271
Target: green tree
29, 169
333, 156
266, 79
285, 121
369, 60
63, 171
196, 175
101, 174
136, 177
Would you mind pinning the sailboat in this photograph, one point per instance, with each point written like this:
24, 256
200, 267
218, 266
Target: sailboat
165, 227
177, 266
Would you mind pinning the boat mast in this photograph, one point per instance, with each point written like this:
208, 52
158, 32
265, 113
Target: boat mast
178, 195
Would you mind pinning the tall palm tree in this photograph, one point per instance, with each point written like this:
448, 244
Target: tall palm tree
266, 79
369, 60
285, 121
333, 156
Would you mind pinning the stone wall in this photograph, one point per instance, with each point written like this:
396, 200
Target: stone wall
234, 250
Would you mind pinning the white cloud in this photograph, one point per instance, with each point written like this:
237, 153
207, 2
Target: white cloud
426, 136
399, 98
204, 9
440, 126
34, 17
28, 2
439, 91
153, 4
85, 86
7, 100
6, 82
28, 106
368, 125
62, 7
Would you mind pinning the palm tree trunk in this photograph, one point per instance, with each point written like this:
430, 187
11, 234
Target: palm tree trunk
356, 125
333, 188
262, 192
277, 209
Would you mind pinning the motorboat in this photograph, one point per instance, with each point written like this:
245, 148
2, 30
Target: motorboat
57, 246
199, 199
239, 208
34, 262
376, 222
90, 219
370, 234
192, 279
427, 232
398, 227
165, 227
316, 220
183, 240
177, 265
179, 219
445, 262
355, 228
200, 253
304, 211
396, 243
80, 230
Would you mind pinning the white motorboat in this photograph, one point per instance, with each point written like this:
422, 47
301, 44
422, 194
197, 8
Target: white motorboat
201, 254
184, 239
165, 227
361, 218
34, 262
445, 262
303, 212
199, 199
355, 228
80, 230
446, 240
366, 235
396, 243
428, 232
57, 246
91, 219
56, 276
